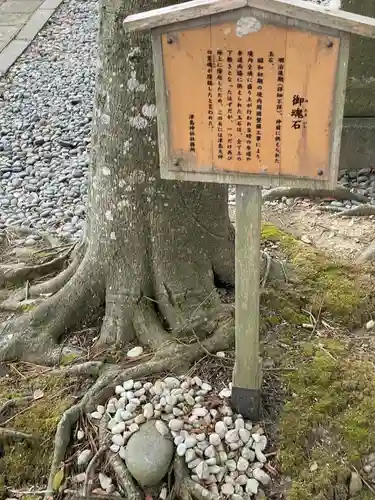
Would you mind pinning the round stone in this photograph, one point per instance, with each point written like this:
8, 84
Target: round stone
175, 424
135, 352
181, 449
227, 489
128, 385
118, 428
215, 439
148, 455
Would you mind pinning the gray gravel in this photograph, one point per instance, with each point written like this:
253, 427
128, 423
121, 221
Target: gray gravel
45, 125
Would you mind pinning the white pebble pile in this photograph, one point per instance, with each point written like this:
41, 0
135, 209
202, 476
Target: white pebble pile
223, 452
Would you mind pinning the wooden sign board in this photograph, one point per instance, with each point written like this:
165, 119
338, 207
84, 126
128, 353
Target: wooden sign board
250, 95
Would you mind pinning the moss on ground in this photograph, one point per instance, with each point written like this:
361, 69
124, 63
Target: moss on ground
327, 424
336, 289
29, 463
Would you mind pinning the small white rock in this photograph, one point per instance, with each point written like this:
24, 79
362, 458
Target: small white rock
189, 399
118, 439
80, 478
158, 387
111, 408
231, 465
201, 436
172, 382
105, 481
161, 428
221, 429
231, 436
220, 354
189, 455
197, 381
206, 387
175, 424
260, 456
202, 470
148, 410
80, 434
118, 428
135, 352
210, 451
242, 464
241, 479
239, 424
163, 493
190, 441
178, 439
119, 389
215, 439
244, 435
248, 454
128, 385
181, 449
370, 324
114, 447
125, 415
140, 419
200, 412
100, 409
96, 415
84, 457
252, 486
133, 427
227, 489
261, 476
225, 393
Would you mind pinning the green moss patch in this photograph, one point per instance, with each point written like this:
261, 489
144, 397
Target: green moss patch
327, 425
28, 463
333, 288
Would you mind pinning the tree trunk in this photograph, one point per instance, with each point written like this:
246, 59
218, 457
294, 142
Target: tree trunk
149, 242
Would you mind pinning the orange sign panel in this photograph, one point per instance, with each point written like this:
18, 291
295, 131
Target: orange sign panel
260, 103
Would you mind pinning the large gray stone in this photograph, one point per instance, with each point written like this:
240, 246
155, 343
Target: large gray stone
148, 455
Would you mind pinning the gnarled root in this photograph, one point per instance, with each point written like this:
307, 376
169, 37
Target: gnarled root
363, 210
339, 193
366, 255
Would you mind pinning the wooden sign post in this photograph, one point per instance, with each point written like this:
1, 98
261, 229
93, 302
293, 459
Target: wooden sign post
250, 92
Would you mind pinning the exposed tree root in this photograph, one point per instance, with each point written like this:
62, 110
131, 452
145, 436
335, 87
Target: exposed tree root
13, 435
338, 193
16, 301
363, 210
18, 273
11, 403
367, 254
90, 471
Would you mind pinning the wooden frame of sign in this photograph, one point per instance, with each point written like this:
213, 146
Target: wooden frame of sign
263, 85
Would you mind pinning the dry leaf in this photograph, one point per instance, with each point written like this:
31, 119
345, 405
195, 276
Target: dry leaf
38, 394
313, 467
57, 480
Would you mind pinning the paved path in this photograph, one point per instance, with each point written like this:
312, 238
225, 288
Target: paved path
20, 22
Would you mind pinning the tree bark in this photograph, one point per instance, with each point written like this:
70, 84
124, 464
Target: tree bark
148, 240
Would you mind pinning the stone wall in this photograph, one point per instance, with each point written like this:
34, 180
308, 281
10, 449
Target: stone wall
358, 141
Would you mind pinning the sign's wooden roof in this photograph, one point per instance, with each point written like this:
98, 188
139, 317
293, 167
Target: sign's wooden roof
296, 9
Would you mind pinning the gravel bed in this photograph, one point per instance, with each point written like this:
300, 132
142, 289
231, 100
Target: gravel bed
45, 125
222, 451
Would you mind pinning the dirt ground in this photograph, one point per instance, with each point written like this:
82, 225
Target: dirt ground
341, 238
